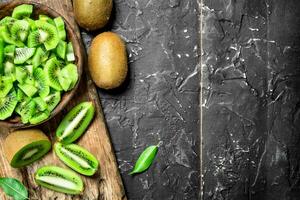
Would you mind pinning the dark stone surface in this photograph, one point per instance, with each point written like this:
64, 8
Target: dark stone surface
251, 88
159, 103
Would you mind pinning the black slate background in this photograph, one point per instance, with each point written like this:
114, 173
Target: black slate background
159, 103
251, 99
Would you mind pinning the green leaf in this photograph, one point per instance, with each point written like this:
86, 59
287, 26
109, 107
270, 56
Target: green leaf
14, 188
145, 160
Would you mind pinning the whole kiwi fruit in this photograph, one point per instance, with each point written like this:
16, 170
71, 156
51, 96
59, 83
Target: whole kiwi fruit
92, 14
108, 60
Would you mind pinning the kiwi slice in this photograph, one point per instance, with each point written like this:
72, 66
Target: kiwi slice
77, 158
59, 179
52, 100
21, 96
1, 56
9, 52
41, 82
52, 71
20, 30
23, 54
61, 49
23, 147
7, 21
70, 72
31, 23
24, 10
39, 116
8, 104
70, 53
46, 19
48, 34
4, 33
41, 104
60, 25
38, 57
75, 123
28, 89
10, 70
26, 110
6, 84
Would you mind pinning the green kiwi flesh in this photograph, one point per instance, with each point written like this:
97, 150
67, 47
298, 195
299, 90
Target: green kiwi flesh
8, 104
59, 179
77, 158
75, 123
24, 10
30, 153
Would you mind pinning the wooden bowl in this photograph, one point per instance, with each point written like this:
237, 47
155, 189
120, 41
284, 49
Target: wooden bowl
6, 10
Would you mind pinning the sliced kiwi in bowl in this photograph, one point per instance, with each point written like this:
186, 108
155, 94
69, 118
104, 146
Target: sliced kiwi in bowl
37, 63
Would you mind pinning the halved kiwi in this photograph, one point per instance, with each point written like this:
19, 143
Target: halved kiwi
77, 158
21, 11
59, 179
23, 147
8, 104
75, 123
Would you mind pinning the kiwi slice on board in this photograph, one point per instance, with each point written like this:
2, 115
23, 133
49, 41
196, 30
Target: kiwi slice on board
1, 56
8, 104
4, 33
59, 179
70, 53
24, 10
48, 34
52, 100
75, 123
24, 147
52, 71
20, 30
61, 49
23, 54
6, 84
60, 25
77, 158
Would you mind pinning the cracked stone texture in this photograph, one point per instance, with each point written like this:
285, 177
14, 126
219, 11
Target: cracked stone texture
251, 102
159, 103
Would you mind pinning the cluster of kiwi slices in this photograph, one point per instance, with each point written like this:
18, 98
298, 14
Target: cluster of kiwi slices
36, 65
24, 147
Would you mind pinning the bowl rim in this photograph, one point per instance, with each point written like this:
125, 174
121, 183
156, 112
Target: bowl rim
5, 7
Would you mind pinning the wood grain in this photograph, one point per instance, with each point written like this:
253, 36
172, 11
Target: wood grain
107, 183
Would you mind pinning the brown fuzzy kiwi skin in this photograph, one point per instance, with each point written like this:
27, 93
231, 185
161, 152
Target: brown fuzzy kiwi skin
92, 14
18, 139
108, 60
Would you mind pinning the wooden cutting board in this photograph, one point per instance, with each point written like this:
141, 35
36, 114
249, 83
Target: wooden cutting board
107, 183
